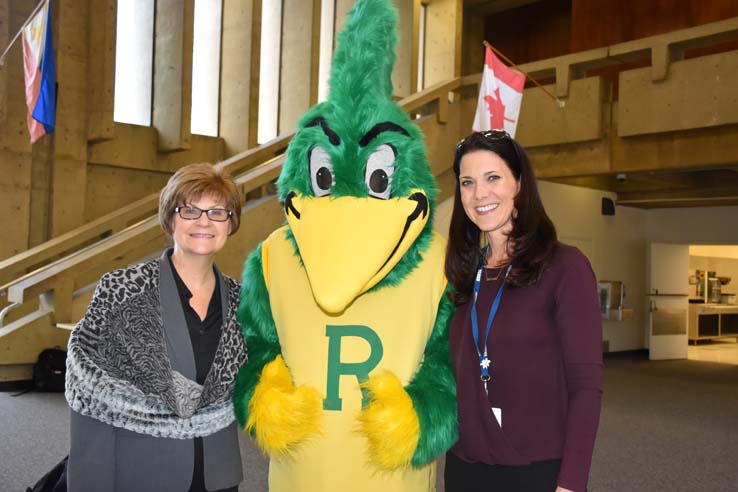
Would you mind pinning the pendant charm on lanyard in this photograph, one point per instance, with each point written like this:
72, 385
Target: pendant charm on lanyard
484, 361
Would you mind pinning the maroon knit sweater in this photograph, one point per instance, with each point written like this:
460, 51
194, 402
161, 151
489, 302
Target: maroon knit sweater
546, 350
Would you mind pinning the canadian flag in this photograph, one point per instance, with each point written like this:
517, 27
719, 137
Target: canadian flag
500, 96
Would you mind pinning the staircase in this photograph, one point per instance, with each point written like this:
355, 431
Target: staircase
45, 290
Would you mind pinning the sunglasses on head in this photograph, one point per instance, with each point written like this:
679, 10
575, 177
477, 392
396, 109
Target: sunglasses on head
490, 135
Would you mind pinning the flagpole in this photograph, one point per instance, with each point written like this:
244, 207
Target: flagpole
15, 38
513, 65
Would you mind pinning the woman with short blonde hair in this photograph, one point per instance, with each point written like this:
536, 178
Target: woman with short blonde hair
152, 365
192, 182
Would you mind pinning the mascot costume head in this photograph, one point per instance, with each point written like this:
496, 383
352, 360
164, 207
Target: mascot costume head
348, 384
358, 144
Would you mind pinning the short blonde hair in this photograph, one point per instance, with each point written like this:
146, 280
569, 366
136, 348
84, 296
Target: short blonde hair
192, 182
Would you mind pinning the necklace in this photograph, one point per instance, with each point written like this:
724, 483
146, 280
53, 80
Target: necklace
485, 254
499, 273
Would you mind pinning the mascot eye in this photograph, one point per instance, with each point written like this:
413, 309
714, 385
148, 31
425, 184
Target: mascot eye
321, 171
379, 169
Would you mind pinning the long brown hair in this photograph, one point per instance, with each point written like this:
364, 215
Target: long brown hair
533, 236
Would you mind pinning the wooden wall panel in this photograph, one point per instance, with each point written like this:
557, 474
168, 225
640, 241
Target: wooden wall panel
552, 28
473, 33
597, 23
532, 32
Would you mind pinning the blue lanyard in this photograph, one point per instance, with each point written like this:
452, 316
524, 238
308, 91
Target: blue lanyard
484, 361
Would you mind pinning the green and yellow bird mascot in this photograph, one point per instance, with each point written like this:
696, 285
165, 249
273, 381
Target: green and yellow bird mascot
348, 386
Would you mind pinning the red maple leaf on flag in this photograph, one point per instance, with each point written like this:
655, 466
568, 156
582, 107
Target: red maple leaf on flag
496, 108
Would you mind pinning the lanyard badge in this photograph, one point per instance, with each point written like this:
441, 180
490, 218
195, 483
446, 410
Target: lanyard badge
484, 361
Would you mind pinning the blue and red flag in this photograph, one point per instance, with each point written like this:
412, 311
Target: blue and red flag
40, 73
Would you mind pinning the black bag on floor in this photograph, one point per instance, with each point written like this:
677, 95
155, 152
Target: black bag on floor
50, 370
54, 481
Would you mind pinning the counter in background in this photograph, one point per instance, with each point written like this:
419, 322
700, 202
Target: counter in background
709, 321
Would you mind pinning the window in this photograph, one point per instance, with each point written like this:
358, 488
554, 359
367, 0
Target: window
327, 28
206, 67
421, 47
271, 47
134, 51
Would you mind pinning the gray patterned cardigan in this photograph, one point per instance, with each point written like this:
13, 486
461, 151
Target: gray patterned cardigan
130, 361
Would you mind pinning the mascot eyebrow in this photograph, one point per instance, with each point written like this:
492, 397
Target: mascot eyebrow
377, 129
387, 126
333, 137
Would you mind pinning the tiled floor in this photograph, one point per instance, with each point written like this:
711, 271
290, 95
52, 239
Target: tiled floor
724, 351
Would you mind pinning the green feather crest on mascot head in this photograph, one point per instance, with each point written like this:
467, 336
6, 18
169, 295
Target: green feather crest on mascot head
356, 182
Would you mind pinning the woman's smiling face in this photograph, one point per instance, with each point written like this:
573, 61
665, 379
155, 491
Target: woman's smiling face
488, 189
200, 236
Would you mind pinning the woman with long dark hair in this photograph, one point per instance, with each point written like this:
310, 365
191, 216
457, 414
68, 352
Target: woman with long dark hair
526, 340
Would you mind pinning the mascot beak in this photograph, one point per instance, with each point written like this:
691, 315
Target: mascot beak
348, 244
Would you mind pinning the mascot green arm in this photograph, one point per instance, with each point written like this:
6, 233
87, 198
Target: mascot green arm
414, 424
278, 414
255, 316
433, 391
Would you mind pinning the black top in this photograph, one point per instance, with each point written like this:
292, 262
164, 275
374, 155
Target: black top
204, 336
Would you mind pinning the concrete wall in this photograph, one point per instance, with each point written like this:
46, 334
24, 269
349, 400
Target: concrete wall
699, 225
442, 41
543, 122
16, 156
239, 81
402, 73
698, 93
173, 34
104, 183
298, 80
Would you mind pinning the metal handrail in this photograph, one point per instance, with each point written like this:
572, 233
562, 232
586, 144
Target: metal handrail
6, 310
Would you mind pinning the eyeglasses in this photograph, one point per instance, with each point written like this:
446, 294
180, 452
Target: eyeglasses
188, 212
490, 135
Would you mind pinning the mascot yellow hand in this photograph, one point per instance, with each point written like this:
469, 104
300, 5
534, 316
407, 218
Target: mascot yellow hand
282, 415
389, 422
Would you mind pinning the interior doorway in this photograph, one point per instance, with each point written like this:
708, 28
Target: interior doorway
713, 321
